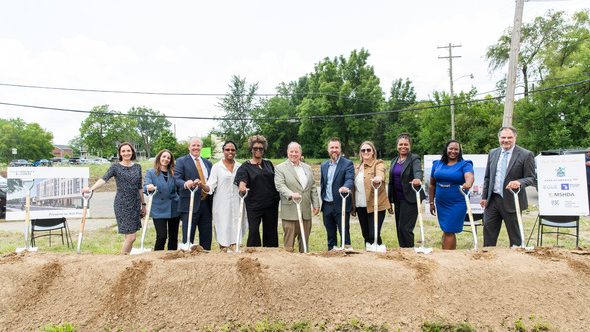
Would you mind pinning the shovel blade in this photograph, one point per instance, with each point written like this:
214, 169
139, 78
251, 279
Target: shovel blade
29, 249
137, 251
422, 250
185, 246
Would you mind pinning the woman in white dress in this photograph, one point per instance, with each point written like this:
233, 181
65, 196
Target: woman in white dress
226, 202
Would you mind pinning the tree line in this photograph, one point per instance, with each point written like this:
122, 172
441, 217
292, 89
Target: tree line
342, 97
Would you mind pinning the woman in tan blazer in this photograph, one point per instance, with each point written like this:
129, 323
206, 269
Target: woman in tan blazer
370, 171
294, 180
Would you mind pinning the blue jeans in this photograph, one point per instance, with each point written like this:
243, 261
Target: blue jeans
332, 222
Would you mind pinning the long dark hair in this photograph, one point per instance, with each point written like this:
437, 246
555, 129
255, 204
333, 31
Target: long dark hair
445, 155
157, 163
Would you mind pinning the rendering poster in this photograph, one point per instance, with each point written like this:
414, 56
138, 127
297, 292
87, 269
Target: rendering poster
562, 185
55, 191
479, 170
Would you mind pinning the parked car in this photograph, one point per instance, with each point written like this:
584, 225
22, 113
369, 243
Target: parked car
75, 161
41, 162
100, 161
3, 182
19, 163
2, 203
60, 160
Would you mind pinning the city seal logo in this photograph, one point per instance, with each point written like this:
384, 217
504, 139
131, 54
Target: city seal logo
560, 172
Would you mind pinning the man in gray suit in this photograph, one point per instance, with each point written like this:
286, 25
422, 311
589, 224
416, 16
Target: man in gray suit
508, 167
294, 181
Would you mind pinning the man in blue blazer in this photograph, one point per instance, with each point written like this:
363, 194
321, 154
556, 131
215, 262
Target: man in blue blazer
337, 176
508, 167
186, 175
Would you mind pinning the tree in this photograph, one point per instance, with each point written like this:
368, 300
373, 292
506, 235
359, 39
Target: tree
148, 125
239, 105
31, 141
401, 96
166, 140
545, 33
339, 91
104, 129
279, 133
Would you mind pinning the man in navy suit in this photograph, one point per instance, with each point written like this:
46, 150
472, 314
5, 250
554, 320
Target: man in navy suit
508, 167
186, 174
337, 176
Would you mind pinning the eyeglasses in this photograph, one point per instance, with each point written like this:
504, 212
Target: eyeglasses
230, 150
366, 150
257, 149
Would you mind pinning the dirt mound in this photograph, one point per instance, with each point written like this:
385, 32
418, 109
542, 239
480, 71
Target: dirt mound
186, 291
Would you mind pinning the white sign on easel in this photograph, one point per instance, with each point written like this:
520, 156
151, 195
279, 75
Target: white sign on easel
562, 185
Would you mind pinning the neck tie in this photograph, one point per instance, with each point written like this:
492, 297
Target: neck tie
503, 166
201, 176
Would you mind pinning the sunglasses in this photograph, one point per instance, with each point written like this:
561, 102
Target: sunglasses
257, 149
230, 150
366, 150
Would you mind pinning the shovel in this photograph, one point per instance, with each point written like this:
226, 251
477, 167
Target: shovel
301, 228
519, 218
240, 220
421, 249
375, 246
343, 219
28, 186
470, 214
141, 249
85, 199
187, 246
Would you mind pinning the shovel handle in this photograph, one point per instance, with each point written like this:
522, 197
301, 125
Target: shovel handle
373, 184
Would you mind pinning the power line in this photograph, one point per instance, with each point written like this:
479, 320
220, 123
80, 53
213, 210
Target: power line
194, 94
299, 118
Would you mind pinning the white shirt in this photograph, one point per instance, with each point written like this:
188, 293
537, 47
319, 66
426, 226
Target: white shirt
360, 198
300, 174
499, 183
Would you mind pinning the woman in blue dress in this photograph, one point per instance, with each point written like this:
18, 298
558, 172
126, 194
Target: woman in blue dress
448, 174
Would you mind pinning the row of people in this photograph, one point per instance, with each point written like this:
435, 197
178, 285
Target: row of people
341, 182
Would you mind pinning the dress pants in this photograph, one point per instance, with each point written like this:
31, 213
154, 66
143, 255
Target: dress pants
367, 227
203, 219
492, 222
292, 230
166, 228
270, 222
332, 221
406, 214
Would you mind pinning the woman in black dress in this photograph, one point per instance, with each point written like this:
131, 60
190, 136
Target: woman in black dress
262, 203
129, 202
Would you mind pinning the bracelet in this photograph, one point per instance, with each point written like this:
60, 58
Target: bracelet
431, 203
143, 204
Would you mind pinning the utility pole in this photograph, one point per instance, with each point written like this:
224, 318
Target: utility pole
450, 57
513, 64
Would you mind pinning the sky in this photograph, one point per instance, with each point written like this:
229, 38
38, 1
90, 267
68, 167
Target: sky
196, 47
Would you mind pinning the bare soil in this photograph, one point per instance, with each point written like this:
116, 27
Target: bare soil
186, 291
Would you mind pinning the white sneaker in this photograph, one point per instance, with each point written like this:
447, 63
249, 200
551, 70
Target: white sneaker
348, 247
369, 247
381, 248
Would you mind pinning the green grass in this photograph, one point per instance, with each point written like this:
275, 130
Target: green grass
108, 241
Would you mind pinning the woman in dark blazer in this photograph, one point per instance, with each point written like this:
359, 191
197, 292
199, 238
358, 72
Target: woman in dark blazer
405, 172
165, 201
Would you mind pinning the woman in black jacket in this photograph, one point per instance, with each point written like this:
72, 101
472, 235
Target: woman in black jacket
405, 172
